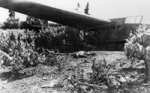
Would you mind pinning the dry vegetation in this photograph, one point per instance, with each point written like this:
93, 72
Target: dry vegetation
26, 68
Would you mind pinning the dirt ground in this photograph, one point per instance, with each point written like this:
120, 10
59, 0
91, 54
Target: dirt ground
43, 80
34, 83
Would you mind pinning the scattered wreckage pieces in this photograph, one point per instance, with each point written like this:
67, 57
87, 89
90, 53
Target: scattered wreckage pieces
83, 54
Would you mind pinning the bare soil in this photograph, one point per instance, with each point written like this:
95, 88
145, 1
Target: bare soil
32, 84
43, 79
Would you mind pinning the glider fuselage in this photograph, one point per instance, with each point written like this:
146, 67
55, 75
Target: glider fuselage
105, 31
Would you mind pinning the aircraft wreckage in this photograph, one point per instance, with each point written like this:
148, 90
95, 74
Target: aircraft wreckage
114, 31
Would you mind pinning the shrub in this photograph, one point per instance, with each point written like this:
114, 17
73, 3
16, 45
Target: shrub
11, 23
26, 25
137, 48
20, 52
18, 47
51, 38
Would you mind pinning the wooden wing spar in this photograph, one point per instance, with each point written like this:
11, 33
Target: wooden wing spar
32, 8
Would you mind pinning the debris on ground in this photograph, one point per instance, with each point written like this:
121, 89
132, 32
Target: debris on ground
83, 54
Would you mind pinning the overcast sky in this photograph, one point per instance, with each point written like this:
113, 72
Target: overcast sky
103, 9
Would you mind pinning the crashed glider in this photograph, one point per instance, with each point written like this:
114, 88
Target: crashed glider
35, 9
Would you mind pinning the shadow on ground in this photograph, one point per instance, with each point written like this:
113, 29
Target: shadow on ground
10, 77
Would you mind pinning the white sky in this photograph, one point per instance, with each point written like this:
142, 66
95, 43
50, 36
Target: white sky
103, 9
